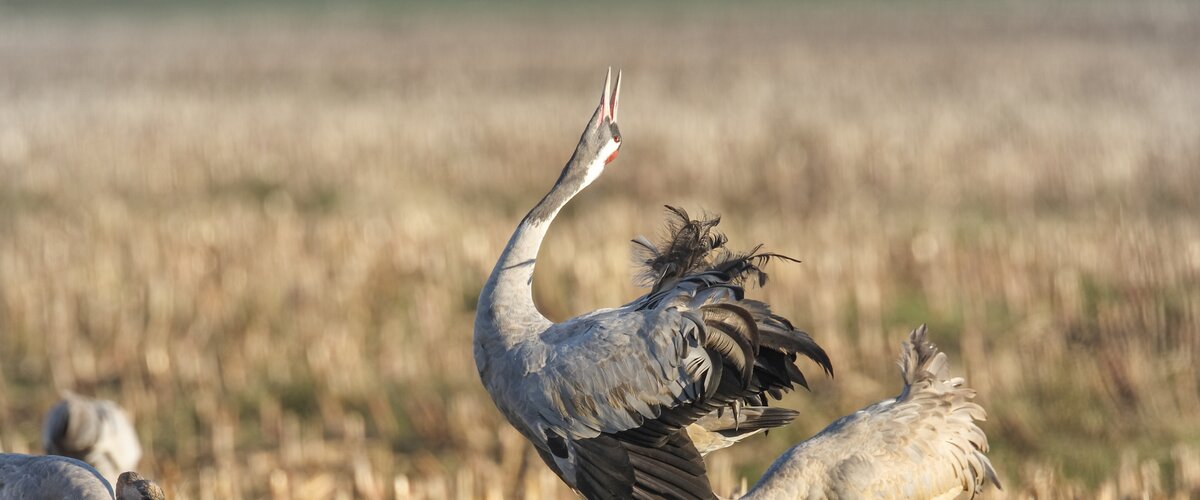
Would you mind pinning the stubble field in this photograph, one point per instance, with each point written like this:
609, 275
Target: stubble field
263, 232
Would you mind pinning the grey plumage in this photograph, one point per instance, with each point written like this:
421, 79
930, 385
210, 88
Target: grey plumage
95, 431
923, 443
28, 477
53, 477
605, 397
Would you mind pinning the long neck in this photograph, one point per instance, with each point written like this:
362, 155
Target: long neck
506, 307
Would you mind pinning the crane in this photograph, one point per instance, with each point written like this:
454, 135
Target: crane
93, 430
52, 477
610, 399
924, 443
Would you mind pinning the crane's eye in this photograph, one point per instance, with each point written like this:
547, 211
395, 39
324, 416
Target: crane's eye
616, 138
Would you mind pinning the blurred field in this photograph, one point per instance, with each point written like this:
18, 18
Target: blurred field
263, 233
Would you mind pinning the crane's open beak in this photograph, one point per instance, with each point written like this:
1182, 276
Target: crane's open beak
610, 96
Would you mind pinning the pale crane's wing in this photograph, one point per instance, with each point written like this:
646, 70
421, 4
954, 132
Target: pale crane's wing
616, 387
922, 444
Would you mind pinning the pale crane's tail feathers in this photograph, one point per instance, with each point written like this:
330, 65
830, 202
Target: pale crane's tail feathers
921, 362
924, 443
927, 375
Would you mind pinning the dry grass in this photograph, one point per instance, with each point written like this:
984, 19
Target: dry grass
264, 234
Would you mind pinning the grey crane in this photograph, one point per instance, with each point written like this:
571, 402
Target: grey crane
607, 397
923, 443
93, 430
29, 477
51, 477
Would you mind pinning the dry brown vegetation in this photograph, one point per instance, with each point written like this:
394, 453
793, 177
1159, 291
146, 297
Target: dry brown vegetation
263, 233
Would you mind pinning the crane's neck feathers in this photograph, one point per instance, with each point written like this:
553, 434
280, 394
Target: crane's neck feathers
506, 303
506, 311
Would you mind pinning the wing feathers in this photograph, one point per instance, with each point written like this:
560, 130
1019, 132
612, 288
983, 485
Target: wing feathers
706, 348
602, 469
722, 429
621, 466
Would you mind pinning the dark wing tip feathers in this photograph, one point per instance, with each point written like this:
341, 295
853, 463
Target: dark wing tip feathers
685, 247
692, 250
614, 466
691, 246
757, 347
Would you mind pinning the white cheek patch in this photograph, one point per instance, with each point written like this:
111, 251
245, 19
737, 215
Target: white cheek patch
596, 167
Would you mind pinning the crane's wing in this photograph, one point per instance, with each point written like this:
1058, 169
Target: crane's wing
922, 444
617, 387
722, 429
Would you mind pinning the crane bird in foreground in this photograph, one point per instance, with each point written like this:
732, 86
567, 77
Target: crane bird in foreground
50, 477
93, 430
610, 399
923, 443
624, 402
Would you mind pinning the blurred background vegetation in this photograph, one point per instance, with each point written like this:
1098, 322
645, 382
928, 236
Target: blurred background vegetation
262, 228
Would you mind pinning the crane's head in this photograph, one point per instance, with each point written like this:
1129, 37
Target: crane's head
601, 139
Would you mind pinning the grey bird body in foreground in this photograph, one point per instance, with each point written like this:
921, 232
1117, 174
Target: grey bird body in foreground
93, 430
29, 477
605, 397
923, 443
53, 477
